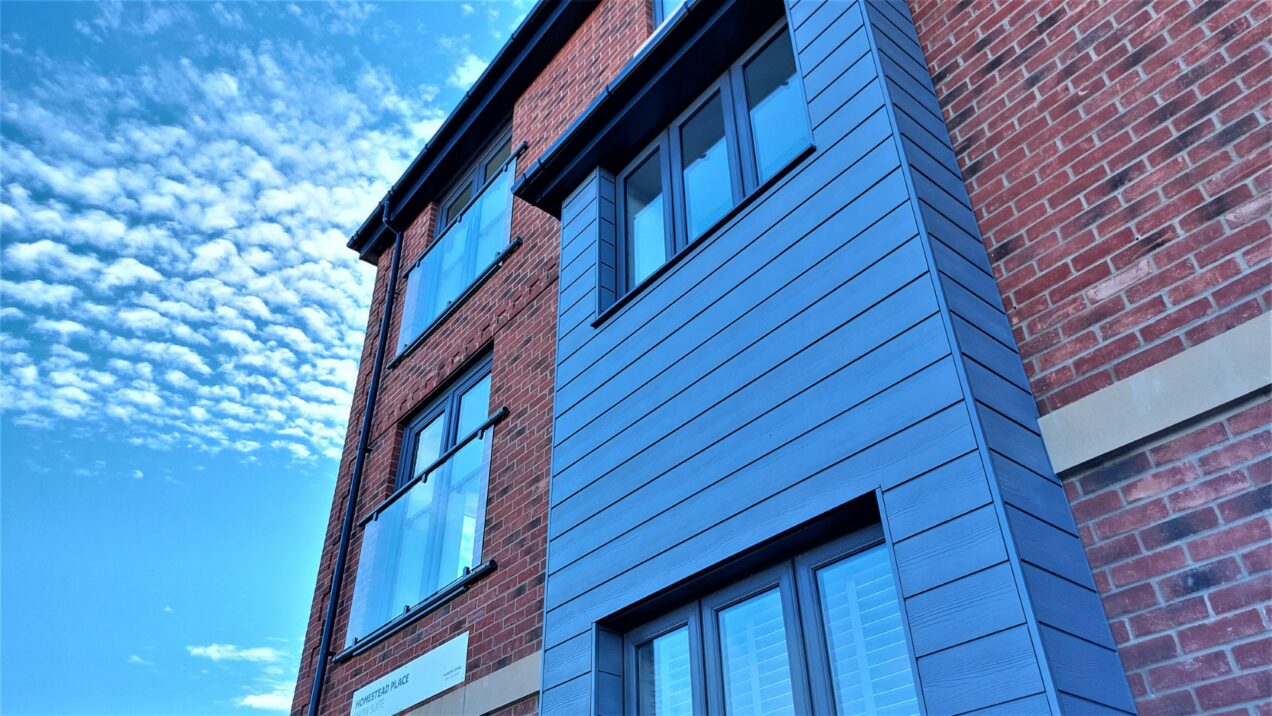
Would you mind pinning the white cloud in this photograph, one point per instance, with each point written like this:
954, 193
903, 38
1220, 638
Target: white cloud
279, 698
174, 261
135, 659
467, 71
230, 652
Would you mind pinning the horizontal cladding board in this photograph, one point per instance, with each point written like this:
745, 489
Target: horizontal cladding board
989, 352
766, 473
1053, 549
846, 69
798, 202
936, 496
716, 268
1014, 441
570, 698
1067, 606
1034, 494
771, 410
566, 661
837, 258
681, 384
894, 20
954, 680
833, 51
802, 10
967, 274
918, 448
922, 129
965, 609
1087, 670
1033, 705
822, 24
1004, 396
827, 101
976, 311
948, 551
920, 151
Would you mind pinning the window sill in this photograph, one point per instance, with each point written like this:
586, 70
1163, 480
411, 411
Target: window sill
428, 605
454, 305
714, 229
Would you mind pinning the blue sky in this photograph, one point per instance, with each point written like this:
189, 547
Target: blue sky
180, 324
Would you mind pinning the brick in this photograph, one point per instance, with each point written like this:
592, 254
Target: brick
1139, 654
1168, 616
1132, 599
1255, 502
1208, 491
1238, 689
1189, 671
1132, 518
1236, 453
1254, 654
1179, 528
1250, 592
1159, 482
1148, 566
1188, 444
1230, 540
1178, 703
1220, 631
1199, 579
1115, 550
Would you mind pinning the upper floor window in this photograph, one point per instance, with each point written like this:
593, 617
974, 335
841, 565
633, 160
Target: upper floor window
745, 129
429, 533
821, 633
664, 9
474, 223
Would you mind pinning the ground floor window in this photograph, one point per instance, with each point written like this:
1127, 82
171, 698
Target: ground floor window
819, 633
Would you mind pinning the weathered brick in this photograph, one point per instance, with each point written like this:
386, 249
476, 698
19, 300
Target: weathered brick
1220, 630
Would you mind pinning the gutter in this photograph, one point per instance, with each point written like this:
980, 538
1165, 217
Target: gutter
359, 462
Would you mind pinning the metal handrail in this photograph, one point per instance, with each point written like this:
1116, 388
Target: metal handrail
443, 459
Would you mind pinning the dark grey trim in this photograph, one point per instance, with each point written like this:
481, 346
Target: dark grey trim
429, 604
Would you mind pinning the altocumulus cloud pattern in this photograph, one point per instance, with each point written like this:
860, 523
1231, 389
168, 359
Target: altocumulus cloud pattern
173, 231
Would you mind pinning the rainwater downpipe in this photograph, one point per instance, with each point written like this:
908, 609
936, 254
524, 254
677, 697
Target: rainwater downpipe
359, 460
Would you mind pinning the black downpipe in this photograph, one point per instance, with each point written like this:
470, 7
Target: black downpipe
346, 529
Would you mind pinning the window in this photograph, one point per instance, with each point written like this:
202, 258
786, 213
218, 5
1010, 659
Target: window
745, 129
428, 534
820, 633
474, 224
664, 9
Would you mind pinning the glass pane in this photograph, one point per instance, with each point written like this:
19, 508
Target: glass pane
664, 676
462, 253
474, 408
757, 672
428, 445
421, 541
667, 7
496, 160
869, 661
457, 203
646, 232
708, 186
779, 122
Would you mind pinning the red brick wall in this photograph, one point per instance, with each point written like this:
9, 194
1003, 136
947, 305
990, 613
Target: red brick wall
1117, 156
513, 315
1179, 538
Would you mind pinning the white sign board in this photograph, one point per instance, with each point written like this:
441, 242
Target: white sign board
430, 674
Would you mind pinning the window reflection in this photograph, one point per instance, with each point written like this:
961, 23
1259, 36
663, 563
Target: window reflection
869, 662
664, 676
779, 125
645, 226
757, 672
705, 167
